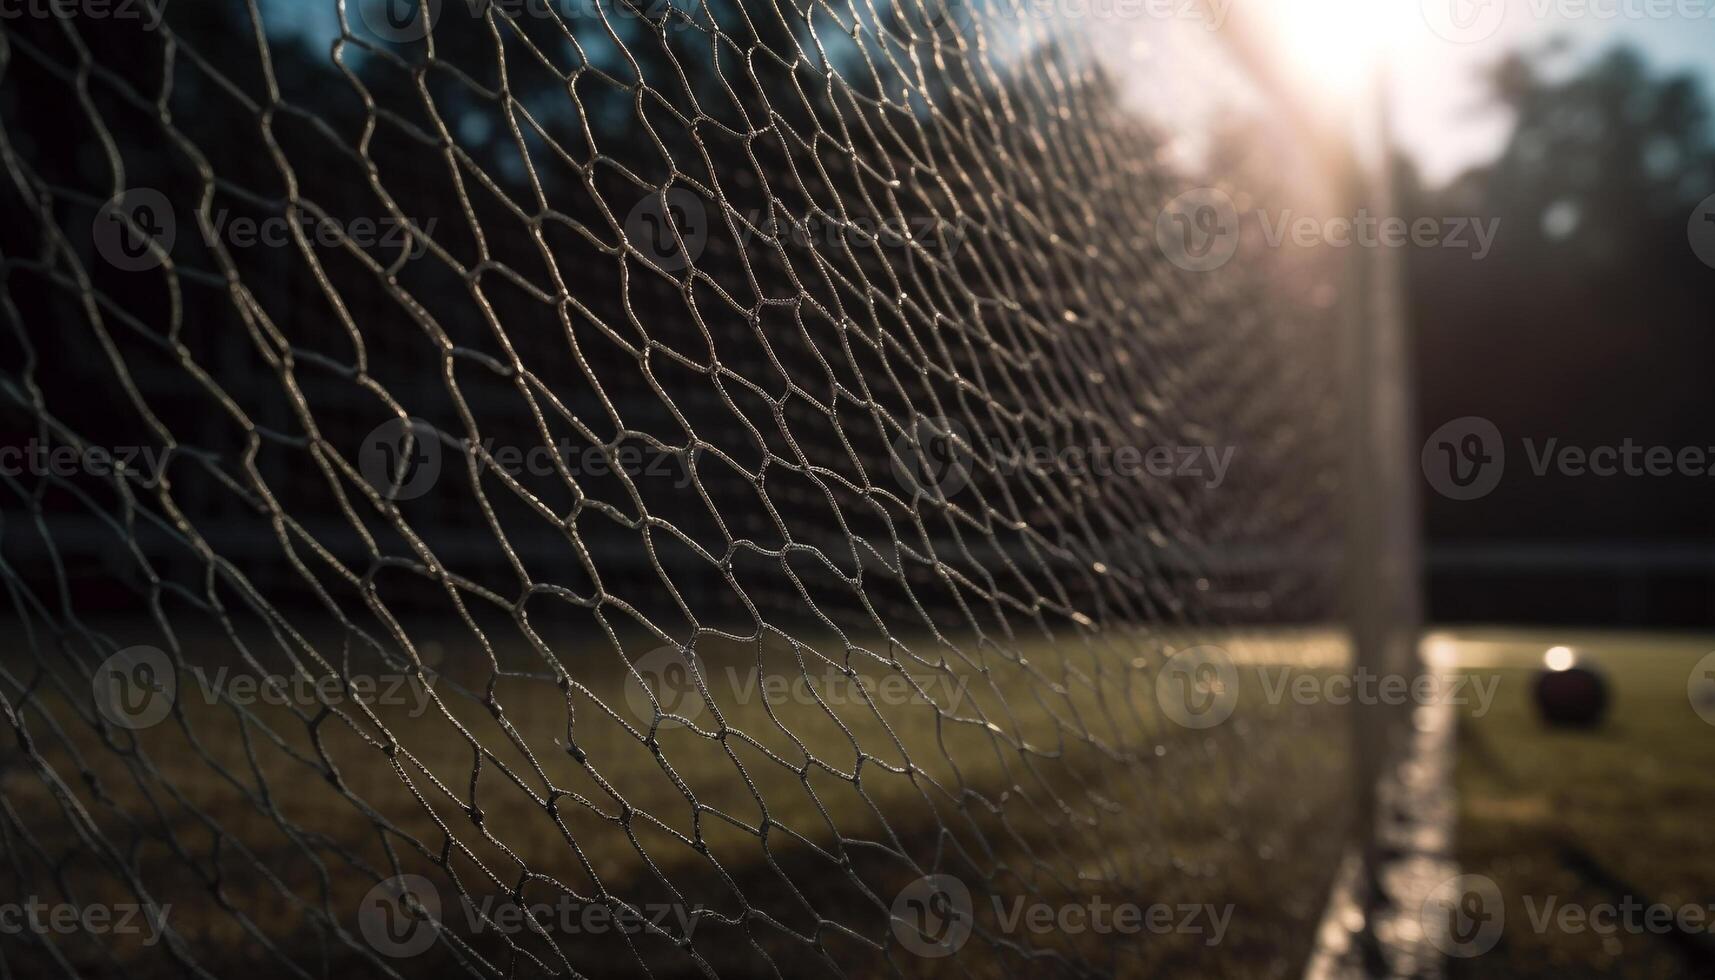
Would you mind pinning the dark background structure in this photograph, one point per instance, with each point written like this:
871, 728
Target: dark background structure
1590, 323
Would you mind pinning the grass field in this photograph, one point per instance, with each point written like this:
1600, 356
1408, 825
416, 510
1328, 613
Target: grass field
790, 822
787, 822
1588, 818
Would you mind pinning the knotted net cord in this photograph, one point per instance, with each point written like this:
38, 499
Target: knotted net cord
809, 303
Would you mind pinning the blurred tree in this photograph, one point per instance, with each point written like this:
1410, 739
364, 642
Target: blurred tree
1587, 324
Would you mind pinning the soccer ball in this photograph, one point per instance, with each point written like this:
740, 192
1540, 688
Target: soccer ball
1571, 691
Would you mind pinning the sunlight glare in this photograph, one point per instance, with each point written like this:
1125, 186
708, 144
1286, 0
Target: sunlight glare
1339, 45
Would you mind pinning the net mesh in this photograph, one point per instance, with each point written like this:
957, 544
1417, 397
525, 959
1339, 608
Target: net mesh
724, 479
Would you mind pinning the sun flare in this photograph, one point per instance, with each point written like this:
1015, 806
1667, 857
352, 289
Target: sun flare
1339, 46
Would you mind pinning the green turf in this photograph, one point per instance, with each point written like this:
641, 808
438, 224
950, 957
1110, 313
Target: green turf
1585, 817
1251, 813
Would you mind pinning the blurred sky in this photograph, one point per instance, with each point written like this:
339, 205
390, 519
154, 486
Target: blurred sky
1438, 111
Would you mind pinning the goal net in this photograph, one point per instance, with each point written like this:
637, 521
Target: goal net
595, 488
